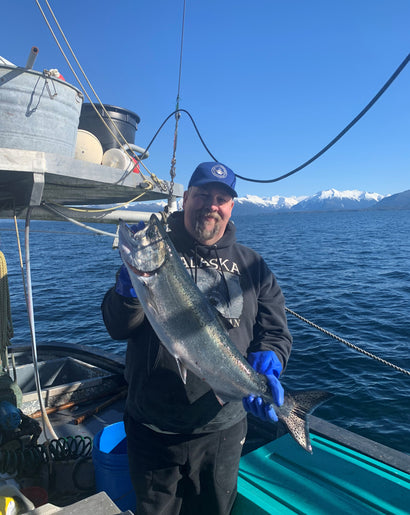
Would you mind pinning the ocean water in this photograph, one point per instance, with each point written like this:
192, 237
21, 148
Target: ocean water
348, 272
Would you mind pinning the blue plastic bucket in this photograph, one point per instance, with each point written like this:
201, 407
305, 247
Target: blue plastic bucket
110, 461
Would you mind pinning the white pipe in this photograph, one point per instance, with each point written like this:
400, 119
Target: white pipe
108, 217
144, 153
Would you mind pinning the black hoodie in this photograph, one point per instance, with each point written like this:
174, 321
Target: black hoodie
237, 281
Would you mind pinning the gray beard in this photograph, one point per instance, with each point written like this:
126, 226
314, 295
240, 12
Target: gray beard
203, 235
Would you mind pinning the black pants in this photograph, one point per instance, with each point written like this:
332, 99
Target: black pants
184, 474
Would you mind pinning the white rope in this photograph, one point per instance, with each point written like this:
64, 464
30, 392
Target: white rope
76, 222
30, 311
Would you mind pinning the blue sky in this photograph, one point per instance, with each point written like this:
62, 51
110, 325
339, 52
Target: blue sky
269, 83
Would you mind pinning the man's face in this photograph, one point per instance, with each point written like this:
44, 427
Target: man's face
207, 210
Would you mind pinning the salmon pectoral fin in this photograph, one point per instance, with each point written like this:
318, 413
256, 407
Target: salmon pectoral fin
182, 370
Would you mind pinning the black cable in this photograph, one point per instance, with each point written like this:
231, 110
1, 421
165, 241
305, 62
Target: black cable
343, 132
316, 156
193, 123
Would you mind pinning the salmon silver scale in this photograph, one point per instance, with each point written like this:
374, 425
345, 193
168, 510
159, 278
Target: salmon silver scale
188, 326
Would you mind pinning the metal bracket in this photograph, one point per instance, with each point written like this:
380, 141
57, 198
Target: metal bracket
37, 189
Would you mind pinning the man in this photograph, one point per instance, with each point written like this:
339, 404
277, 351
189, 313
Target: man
183, 446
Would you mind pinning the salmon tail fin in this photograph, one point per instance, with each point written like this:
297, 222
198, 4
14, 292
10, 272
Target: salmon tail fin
293, 413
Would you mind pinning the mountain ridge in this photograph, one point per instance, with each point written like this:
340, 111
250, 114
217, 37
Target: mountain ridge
325, 200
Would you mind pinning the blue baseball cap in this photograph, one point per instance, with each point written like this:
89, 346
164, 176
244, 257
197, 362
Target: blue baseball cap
214, 173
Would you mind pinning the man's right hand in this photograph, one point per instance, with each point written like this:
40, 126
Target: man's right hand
123, 286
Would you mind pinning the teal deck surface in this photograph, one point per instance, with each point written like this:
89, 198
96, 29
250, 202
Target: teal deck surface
282, 478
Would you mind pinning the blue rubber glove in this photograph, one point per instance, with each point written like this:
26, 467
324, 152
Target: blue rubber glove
123, 286
267, 363
10, 417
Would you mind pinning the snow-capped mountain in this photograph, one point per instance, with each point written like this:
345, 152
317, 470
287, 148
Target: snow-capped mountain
275, 202
327, 200
331, 200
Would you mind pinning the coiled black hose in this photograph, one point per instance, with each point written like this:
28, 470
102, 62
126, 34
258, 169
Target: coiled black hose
71, 447
27, 460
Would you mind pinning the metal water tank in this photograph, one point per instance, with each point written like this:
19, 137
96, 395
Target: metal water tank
38, 112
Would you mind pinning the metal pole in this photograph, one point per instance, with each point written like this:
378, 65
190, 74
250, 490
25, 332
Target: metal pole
31, 57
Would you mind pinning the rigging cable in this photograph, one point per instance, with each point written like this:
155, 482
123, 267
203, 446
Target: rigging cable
76, 222
153, 177
351, 345
105, 209
172, 172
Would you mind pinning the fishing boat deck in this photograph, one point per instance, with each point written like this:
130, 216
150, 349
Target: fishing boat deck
280, 477
29, 177
77, 383
261, 434
83, 392
347, 473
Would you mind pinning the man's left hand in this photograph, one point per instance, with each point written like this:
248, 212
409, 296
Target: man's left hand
267, 363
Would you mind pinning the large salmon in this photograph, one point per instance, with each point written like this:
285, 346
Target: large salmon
188, 326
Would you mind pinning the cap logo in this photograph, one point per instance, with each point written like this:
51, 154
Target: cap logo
219, 172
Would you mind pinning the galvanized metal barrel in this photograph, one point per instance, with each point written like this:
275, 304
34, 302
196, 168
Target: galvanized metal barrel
38, 112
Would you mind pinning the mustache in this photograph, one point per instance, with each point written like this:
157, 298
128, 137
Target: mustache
210, 214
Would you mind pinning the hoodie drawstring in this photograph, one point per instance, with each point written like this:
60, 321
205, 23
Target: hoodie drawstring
223, 275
